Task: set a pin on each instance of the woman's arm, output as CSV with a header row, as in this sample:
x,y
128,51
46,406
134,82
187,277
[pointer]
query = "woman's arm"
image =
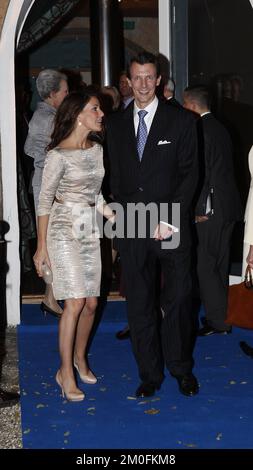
x,y
41,255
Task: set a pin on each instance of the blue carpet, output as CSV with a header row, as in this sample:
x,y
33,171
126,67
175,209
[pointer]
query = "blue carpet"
x,y
220,417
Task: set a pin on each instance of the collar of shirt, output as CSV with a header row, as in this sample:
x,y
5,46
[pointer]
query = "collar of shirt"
x,y
151,110
207,112
126,101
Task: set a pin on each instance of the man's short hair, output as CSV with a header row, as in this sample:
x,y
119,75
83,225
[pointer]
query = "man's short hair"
x,y
200,94
142,58
170,84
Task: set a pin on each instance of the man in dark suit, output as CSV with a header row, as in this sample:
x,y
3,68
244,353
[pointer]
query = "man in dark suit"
x,y
153,162
125,91
217,209
168,93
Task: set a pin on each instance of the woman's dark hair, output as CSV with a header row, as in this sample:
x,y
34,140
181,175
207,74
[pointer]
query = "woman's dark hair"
x,y
66,116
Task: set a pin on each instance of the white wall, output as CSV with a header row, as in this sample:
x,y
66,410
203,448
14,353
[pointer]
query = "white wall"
x,y
8,150
164,29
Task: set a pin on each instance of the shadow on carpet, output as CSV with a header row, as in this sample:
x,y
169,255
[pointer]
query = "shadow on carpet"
x,y
110,417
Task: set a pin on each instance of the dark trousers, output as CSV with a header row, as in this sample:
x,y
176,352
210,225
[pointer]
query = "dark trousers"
x,y
214,241
173,342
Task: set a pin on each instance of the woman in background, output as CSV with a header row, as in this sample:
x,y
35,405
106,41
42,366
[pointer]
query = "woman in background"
x,y
52,87
248,240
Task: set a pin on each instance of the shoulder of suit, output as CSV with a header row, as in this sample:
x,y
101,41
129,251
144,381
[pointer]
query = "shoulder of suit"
x,y
216,128
211,120
177,111
115,117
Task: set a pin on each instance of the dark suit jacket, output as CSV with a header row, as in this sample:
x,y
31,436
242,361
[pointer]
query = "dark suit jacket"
x,y
219,171
167,173
173,102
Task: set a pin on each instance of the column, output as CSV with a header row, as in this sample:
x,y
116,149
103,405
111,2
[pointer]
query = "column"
x,y
106,37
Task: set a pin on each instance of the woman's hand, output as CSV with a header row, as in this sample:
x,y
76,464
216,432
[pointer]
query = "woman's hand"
x,y
107,212
249,258
41,257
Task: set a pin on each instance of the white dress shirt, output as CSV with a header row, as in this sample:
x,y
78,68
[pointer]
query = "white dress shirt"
x,y
127,101
151,110
207,112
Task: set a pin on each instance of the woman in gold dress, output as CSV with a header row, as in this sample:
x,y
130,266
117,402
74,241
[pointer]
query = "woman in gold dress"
x,y
68,236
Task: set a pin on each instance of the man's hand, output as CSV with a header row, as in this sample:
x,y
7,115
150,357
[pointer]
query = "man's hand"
x,y
162,232
201,218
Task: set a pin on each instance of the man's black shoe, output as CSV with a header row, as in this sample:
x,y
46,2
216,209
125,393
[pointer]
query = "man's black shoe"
x,y
208,330
248,350
123,334
188,384
146,390
8,398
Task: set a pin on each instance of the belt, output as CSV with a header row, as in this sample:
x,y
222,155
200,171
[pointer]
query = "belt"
x,y
72,203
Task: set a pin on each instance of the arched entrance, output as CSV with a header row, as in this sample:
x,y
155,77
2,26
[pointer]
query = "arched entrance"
x,y
15,13
11,13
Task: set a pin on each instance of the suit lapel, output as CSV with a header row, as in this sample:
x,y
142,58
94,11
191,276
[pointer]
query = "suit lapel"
x,y
129,131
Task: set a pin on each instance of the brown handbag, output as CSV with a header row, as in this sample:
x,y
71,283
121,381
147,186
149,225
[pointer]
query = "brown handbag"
x,y
240,303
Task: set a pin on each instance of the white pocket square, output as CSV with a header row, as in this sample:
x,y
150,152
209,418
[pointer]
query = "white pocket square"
x,y
164,142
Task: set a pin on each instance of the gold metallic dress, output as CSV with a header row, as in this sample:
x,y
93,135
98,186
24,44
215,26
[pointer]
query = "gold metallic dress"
x,y
70,193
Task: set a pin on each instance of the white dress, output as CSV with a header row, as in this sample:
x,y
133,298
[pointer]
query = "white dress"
x,y
248,217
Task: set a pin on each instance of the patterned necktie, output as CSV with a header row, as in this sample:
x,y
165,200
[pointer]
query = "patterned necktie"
x,y
142,133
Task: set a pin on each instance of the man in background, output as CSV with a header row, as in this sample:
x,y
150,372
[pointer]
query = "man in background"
x,y
168,93
125,90
218,208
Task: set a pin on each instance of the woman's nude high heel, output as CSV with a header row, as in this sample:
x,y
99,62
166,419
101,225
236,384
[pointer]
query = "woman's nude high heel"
x,y
72,396
45,309
89,378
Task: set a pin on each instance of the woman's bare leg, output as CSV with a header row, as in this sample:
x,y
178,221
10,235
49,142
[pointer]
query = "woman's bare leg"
x,y
67,331
84,327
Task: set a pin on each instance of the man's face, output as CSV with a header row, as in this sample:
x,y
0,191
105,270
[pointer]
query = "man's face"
x,y
143,81
124,88
167,93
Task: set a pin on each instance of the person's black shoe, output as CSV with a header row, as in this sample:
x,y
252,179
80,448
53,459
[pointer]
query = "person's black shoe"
x,y
208,330
248,350
123,334
146,390
188,384
203,320
8,398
